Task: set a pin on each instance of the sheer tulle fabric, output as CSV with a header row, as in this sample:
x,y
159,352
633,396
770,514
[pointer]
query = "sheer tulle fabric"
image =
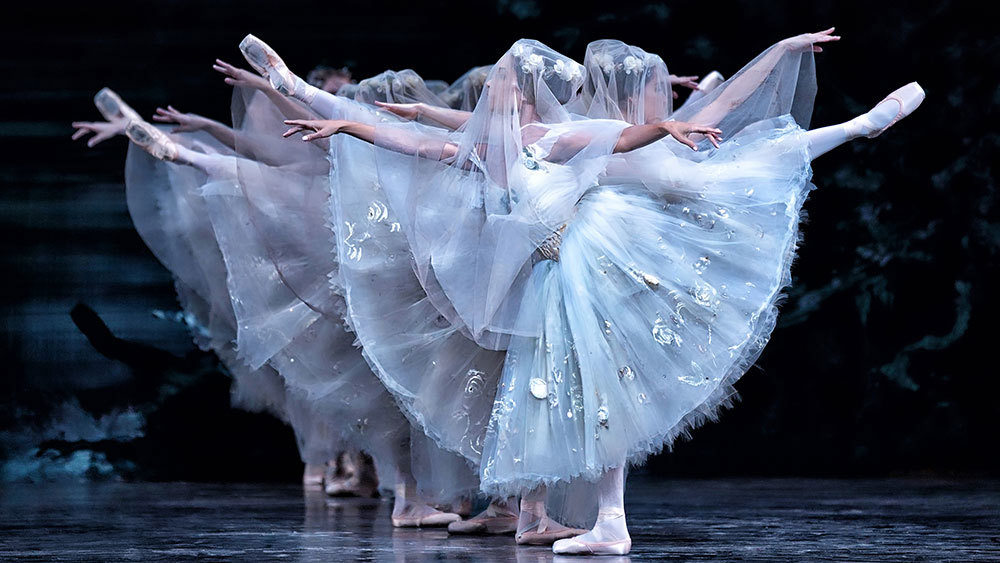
x,y
623,326
657,305
464,92
471,233
288,291
624,83
170,215
442,379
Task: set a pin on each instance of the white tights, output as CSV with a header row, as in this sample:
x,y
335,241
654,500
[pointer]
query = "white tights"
x,y
610,525
825,139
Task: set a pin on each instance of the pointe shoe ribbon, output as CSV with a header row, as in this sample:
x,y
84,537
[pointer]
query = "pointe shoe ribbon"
x,y
909,98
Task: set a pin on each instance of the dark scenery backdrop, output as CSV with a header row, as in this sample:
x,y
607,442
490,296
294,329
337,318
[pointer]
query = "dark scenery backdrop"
x,y
880,363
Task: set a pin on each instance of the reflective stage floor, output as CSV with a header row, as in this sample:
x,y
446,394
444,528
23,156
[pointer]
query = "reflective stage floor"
x,y
680,520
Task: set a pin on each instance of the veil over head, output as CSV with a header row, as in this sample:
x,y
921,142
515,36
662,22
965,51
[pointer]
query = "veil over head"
x,y
471,223
626,83
464,92
403,87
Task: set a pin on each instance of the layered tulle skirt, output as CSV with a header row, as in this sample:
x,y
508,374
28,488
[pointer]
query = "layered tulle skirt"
x,y
664,293
296,360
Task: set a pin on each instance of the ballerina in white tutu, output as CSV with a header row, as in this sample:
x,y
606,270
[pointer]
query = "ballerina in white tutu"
x,y
280,330
659,273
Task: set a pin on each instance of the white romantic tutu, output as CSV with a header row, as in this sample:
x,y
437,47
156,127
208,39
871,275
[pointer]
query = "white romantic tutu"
x,y
284,279
313,378
664,293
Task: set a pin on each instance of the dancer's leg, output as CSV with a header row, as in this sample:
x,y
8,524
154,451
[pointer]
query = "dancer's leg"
x,y
899,104
312,475
216,166
610,534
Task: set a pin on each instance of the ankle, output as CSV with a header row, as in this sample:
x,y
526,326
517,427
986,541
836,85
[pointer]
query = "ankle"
x,y
304,91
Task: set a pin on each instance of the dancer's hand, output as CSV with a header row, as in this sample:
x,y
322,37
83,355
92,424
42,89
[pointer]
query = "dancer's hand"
x,y
685,81
240,77
185,121
322,128
102,130
808,41
681,131
406,111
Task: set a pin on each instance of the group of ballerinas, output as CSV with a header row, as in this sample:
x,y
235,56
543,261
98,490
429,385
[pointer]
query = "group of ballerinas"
x,y
510,287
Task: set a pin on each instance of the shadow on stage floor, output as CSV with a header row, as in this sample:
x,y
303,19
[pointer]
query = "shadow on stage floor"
x,y
718,519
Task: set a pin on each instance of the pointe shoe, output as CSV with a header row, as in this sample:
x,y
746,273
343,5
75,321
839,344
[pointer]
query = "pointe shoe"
x,y
710,82
533,537
462,507
266,61
112,107
436,519
909,98
152,140
574,546
486,523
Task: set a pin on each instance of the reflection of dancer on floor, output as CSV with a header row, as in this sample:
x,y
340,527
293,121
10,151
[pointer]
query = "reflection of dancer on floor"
x,y
610,534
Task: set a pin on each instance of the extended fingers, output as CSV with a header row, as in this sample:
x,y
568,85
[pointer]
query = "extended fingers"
x,y
99,138
79,133
295,129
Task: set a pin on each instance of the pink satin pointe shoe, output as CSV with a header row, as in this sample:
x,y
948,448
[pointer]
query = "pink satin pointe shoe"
x,y
427,520
534,534
266,61
609,537
112,107
489,522
909,98
151,140
710,82
573,546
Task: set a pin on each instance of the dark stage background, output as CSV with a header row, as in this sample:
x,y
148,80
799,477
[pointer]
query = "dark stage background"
x,y
879,364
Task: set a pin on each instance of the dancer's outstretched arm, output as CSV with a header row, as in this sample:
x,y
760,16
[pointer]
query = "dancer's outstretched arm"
x,y
633,137
638,136
102,130
406,142
749,80
188,122
450,118
240,77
